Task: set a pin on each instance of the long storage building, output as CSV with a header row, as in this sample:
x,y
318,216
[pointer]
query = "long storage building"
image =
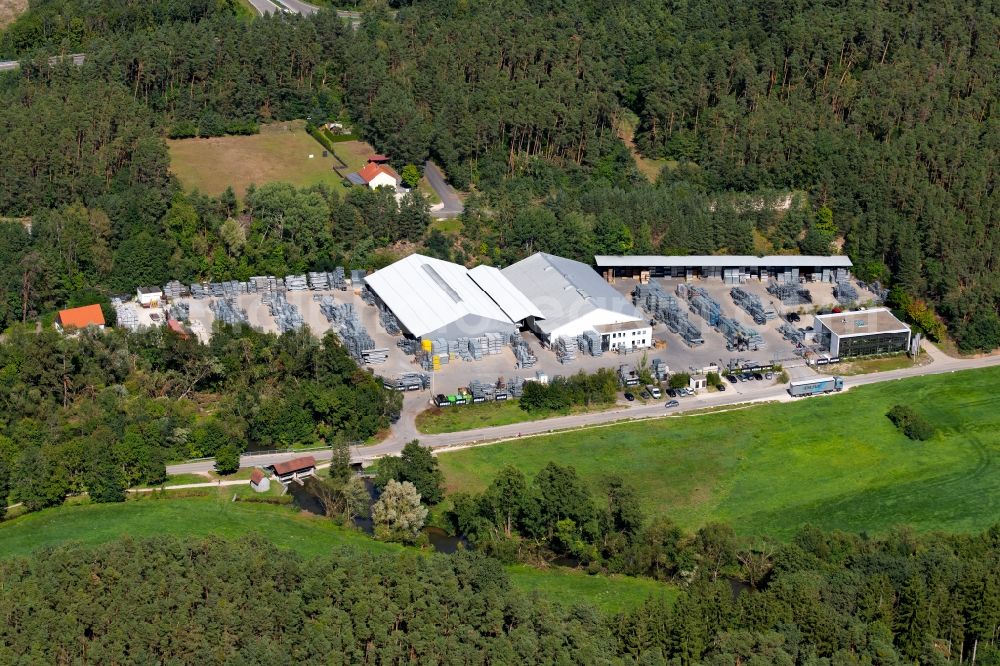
x,y
732,269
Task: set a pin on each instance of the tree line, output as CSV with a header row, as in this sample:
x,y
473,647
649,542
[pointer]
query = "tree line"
x,y
104,411
826,598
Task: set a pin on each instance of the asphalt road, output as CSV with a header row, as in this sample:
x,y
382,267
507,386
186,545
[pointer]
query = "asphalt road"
x,y
453,206
742,393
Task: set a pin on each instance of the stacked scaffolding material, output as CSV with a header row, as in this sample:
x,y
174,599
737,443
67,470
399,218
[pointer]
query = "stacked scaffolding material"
x,y
296,283
845,293
408,346
227,311
180,311
523,352
876,288
664,307
792,334
388,320
704,305
516,387
375,356
265,283
788,276
590,343
174,290
790,294
482,391
408,381
324,281
565,350
660,370
752,304
126,316
357,277
739,336
286,315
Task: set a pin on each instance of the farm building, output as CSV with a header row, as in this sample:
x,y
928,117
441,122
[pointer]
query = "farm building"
x,y
573,300
149,297
80,318
375,174
790,269
861,333
432,299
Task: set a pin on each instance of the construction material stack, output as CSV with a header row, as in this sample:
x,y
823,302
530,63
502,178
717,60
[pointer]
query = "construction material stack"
x,y
227,311
845,293
126,316
659,370
388,321
792,334
790,294
664,307
180,311
565,350
286,315
738,336
752,304
296,283
590,343
522,352
174,290
704,305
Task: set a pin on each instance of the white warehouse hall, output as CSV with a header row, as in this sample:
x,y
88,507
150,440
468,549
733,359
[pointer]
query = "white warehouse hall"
x,y
551,296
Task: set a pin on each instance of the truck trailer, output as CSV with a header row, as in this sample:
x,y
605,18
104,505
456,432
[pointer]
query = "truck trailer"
x,y
815,386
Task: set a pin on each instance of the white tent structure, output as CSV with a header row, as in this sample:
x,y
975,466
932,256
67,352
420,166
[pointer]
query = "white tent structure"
x,y
432,298
572,299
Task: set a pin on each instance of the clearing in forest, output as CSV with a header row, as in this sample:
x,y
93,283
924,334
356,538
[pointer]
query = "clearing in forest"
x,y
835,461
280,153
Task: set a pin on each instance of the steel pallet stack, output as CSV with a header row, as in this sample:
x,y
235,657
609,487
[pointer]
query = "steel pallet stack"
x,y
227,311
845,293
704,305
286,315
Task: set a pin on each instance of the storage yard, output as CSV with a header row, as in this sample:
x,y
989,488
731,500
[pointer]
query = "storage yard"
x,y
423,323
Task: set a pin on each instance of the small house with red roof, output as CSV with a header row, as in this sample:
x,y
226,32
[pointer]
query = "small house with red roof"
x,y
377,173
80,318
259,481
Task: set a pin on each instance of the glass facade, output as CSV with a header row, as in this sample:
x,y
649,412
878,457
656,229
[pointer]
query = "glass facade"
x,y
876,343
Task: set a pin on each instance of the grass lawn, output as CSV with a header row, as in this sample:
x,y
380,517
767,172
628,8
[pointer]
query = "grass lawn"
x,y
209,515
869,365
279,153
451,225
468,417
834,461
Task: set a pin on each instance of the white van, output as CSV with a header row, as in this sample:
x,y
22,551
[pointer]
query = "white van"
x,y
654,391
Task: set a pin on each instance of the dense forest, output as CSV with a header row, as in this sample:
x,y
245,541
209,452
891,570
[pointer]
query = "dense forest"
x,y
877,120
825,599
77,413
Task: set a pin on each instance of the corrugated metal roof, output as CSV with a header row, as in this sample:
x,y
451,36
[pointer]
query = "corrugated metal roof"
x,y
724,261
356,179
565,290
510,299
428,294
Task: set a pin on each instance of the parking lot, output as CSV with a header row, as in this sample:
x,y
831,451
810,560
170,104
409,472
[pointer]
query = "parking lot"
x,y
670,347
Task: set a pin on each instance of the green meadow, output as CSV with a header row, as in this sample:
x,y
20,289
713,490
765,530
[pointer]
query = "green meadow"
x,y
833,461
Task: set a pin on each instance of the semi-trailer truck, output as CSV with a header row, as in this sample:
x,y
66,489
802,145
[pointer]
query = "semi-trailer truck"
x,y
815,386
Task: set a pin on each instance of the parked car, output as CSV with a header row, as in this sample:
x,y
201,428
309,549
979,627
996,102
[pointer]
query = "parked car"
x,y
720,387
768,375
644,395
671,403
759,377
688,391
629,397
731,379
672,393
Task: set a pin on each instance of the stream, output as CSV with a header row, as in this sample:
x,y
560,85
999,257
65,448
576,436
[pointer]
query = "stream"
x,y
439,540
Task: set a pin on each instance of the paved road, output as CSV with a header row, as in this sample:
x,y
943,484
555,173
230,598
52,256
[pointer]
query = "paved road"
x,y
453,206
749,392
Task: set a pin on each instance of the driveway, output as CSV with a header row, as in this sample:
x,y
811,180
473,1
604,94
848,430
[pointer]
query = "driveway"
x,y
451,205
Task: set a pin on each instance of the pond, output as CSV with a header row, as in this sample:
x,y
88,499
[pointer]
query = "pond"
x,y
306,499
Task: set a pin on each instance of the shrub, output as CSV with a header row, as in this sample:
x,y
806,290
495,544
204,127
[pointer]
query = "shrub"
x,y
910,423
680,380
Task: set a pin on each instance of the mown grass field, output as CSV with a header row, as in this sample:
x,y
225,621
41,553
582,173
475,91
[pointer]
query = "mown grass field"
x,y
468,417
835,461
280,153
209,515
